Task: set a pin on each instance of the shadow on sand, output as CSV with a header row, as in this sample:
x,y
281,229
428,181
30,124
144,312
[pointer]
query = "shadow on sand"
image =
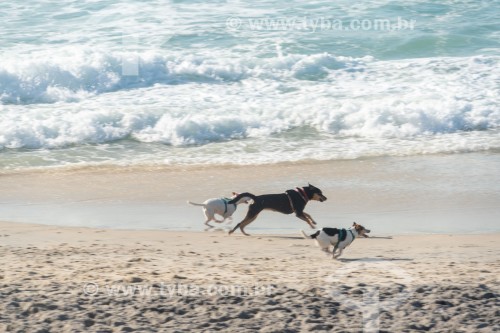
x,y
285,237
374,259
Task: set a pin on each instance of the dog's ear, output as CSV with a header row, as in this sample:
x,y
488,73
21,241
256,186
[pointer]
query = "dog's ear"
x,y
354,224
234,193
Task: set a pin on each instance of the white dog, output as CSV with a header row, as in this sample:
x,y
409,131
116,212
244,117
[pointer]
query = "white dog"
x,y
339,238
219,206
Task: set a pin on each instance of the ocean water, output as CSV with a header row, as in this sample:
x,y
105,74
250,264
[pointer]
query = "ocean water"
x,y
86,83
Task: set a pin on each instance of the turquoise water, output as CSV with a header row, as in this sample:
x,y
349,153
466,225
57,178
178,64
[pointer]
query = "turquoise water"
x,y
184,82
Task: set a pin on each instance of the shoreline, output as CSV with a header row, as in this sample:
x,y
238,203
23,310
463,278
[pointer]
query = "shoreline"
x,y
407,195
162,167
223,231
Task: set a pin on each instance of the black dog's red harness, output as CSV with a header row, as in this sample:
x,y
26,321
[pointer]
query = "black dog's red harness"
x,y
301,193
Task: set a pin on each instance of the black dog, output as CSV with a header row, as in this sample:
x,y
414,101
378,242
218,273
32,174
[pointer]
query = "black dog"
x,y
292,201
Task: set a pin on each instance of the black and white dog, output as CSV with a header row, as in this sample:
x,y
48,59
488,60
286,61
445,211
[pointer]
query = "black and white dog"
x,y
292,201
339,238
219,206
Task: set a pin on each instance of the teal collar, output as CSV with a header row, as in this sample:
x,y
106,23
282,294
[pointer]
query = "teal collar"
x,y
226,200
352,234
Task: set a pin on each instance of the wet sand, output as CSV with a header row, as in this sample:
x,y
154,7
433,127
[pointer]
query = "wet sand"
x,y
397,195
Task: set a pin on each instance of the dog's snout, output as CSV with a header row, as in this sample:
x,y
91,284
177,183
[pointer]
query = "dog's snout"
x,y
323,198
367,231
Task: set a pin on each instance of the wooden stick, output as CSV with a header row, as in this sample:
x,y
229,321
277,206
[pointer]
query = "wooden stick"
x,y
381,237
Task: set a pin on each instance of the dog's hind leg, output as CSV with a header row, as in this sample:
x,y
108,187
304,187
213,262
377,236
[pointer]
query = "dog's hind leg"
x,y
338,255
209,215
249,218
232,230
245,223
242,225
219,221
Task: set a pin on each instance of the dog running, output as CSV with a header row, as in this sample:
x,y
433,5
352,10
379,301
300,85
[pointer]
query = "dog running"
x,y
339,238
292,201
221,207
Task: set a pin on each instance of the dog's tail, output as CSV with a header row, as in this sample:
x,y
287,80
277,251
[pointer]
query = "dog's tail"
x,y
195,204
241,196
313,236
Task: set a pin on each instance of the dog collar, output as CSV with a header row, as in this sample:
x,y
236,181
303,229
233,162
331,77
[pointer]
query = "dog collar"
x,y
302,193
225,201
352,234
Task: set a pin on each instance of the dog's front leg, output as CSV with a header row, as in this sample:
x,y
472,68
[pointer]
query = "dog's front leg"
x,y
309,218
335,248
303,217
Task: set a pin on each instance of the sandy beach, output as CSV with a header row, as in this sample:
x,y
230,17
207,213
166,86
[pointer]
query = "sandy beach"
x,y
119,118
120,250
61,279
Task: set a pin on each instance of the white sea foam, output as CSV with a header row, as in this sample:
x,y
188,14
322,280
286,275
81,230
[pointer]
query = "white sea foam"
x,y
71,75
347,98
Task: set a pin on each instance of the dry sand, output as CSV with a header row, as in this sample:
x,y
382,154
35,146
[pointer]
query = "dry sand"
x,y
58,279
